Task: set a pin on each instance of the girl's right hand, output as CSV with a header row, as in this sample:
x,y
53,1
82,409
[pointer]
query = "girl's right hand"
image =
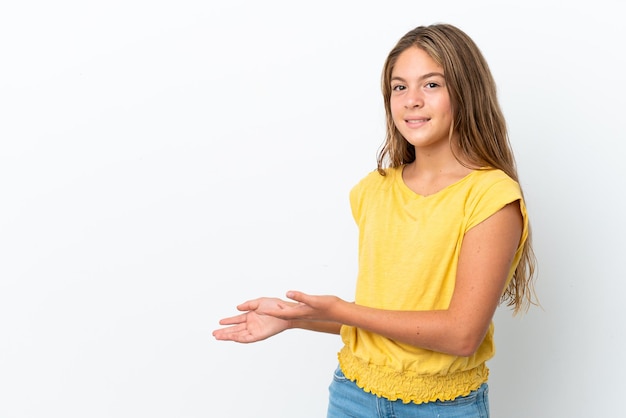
x,y
254,324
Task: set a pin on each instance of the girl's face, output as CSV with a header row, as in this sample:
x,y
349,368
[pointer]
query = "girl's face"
x,y
420,103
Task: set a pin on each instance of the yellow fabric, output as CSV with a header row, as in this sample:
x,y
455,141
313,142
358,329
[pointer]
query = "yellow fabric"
x,y
408,252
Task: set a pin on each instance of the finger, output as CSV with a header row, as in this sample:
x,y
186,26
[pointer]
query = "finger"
x,y
237,319
230,333
242,336
297,296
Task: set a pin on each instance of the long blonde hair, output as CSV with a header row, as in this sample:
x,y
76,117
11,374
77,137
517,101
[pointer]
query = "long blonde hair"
x,y
479,123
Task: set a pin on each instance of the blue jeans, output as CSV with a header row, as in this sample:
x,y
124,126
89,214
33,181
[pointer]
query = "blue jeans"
x,y
347,400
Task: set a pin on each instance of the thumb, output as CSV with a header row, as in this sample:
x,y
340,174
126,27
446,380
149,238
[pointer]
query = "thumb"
x,y
249,305
297,296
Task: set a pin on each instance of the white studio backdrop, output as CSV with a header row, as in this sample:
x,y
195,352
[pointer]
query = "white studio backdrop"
x,y
161,162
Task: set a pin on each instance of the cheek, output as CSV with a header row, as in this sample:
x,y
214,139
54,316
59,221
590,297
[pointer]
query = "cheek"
x,y
396,110
445,106
444,109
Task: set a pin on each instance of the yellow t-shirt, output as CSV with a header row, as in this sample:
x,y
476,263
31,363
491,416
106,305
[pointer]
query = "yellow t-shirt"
x,y
408,253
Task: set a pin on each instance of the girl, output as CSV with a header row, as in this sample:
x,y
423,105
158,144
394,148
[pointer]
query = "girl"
x,y
444,238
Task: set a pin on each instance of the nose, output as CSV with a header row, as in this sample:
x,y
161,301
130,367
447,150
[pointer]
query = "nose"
x,y
413,99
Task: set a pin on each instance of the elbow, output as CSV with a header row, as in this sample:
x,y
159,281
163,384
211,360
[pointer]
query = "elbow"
x,y
466,344
466,350
465,336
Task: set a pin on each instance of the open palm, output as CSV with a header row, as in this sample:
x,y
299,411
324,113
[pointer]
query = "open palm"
x,y
254,324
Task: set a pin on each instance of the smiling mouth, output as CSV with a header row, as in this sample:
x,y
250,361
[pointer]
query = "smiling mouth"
x,y
416,120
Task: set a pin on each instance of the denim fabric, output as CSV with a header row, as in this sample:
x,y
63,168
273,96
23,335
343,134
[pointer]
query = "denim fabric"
x,y
347,400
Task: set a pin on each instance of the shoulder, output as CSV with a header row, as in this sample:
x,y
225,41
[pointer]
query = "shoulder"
x,y
487,192
374,179
493,181
371,189
491,175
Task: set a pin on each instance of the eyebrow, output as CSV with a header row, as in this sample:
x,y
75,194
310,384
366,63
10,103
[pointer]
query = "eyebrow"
x,y
423,77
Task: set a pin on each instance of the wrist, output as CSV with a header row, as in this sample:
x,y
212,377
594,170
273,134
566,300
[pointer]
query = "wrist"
x,y
293,323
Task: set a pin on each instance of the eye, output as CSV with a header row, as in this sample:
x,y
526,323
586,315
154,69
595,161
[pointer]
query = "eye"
x,y
398,87
432,85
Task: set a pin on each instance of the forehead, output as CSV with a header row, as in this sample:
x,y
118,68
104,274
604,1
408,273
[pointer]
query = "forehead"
x,y
415,61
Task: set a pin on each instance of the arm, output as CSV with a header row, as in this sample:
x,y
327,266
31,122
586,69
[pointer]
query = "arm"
x,y
484,262
327,327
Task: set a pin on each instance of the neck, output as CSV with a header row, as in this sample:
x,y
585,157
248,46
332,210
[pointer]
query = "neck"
x,y
431,172
432,162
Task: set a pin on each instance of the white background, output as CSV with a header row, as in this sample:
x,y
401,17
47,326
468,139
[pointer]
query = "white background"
x,y
162,161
